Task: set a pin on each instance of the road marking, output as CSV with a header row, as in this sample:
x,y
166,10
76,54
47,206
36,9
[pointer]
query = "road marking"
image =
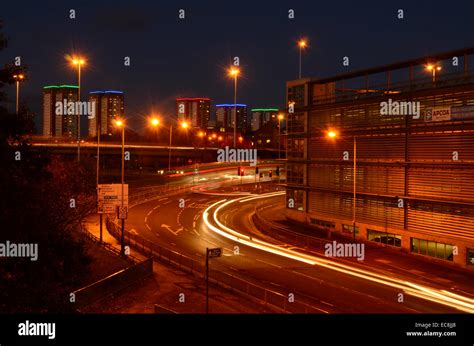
x,y
149,228
271,264
312,278
133,231
149,213
168,227
322,301
173,244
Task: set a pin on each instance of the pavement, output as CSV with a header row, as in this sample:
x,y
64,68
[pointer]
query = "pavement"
x,y
166,288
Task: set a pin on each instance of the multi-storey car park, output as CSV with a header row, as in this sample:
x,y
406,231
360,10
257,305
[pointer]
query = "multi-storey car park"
x,y
414,171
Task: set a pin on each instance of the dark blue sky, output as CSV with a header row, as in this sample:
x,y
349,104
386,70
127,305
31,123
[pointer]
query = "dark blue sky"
x,y
171,57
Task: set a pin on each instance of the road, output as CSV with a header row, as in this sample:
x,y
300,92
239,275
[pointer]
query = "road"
x,y
327,285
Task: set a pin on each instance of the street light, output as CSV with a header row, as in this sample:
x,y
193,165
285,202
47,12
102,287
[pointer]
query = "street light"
x,y
234,72
18,78
302,44
280,118
78,62
332,135
433,68
119,123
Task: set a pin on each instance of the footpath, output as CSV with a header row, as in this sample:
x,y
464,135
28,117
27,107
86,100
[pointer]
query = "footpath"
x,y
170,288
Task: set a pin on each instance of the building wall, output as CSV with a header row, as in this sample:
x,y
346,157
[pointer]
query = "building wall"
x,y
408,185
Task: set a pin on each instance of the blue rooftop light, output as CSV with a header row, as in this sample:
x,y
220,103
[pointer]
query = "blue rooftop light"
x,y
231,105
106,92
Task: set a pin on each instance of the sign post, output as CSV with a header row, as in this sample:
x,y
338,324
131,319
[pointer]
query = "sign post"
x,y
110,201
210,253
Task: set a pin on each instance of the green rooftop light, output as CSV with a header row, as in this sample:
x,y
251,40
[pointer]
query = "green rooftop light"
x,y
264,109
61,86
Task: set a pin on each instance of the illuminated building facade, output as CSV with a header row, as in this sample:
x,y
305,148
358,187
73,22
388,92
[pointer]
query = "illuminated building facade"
x,y
399,139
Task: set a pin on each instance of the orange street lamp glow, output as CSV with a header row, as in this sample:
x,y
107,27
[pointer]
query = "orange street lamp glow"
x,y
214,135
209,138
234,71
184,125
119,123
302,43
331,134
220,138
78,61
154,122
240,139
280,116
201,134
433,68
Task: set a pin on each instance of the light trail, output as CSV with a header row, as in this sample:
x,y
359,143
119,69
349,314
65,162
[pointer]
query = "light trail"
x,y
432,294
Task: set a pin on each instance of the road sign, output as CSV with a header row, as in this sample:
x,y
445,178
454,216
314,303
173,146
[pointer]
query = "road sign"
x,y
109,197
122,212
216,252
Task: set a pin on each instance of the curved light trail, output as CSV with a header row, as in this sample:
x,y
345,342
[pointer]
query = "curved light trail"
x,y
432,294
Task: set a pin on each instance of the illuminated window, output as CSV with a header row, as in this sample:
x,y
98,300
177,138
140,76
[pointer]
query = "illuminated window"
x,y
323,223
349,229
384,238
432,249
470,257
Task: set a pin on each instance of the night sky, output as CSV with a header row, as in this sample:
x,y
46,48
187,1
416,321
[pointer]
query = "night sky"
x,y
189,58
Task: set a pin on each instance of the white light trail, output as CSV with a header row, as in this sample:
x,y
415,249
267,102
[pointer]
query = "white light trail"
x,y
432,294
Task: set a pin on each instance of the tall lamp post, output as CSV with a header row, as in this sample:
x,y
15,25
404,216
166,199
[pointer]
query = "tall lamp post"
x,y
98,124
280,118
333,134
18,77
121,124
234,72
78,62
155,122
302,44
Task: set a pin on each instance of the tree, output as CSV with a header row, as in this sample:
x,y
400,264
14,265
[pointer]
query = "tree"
x,y
36,208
